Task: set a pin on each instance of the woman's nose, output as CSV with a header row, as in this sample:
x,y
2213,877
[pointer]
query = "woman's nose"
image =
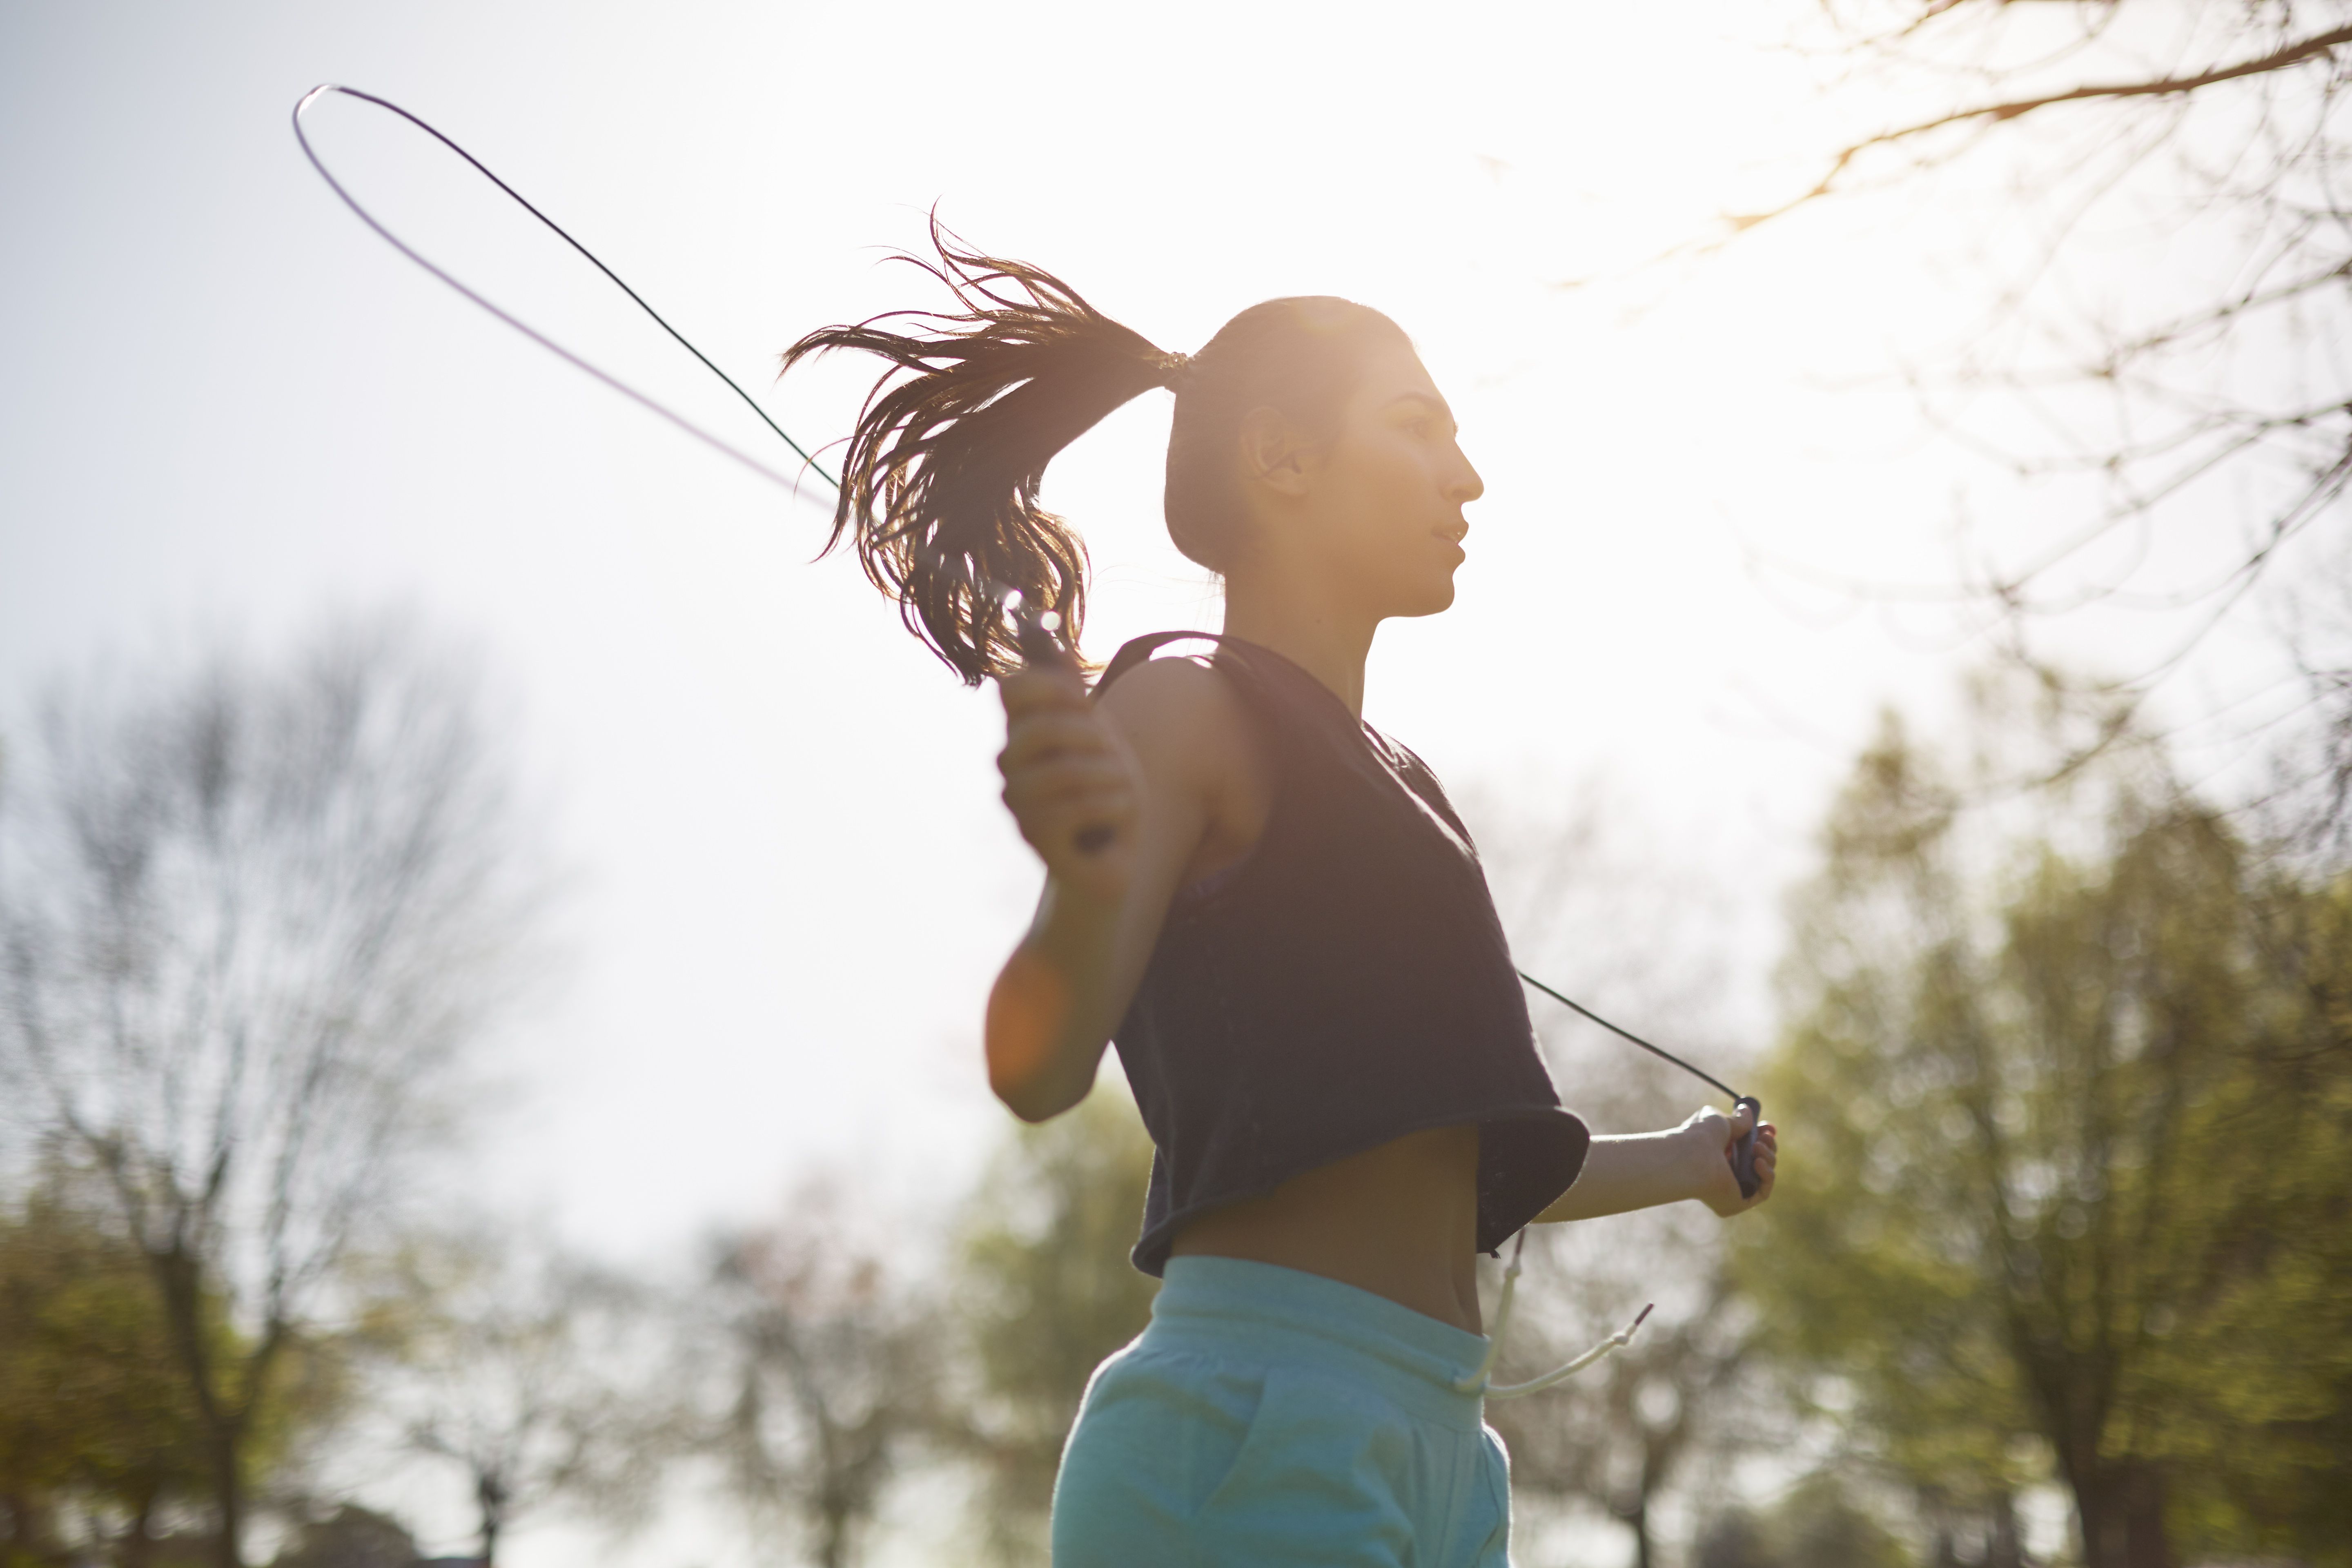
x,y
1465,486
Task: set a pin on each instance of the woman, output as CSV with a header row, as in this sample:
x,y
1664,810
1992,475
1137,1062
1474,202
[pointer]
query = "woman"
x,y
1268,908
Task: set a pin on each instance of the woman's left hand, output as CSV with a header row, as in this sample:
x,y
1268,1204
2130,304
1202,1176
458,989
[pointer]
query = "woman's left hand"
x,y
1715,1142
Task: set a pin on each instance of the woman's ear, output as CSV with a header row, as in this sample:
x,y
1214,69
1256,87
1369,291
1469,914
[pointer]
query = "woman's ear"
x,y
1273,453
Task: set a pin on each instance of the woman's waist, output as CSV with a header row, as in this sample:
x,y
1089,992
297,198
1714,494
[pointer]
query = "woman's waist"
x,y
1398,1221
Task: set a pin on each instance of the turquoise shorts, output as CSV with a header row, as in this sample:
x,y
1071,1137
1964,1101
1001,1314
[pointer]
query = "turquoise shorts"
x,y
1271,1416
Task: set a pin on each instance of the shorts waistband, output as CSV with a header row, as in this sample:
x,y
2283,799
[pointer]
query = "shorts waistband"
x,y
1262,1311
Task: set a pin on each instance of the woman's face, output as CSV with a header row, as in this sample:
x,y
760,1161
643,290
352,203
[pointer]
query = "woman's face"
x,y
1386,495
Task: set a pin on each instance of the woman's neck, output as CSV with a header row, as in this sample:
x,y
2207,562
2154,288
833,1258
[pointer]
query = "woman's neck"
x,y
1306,626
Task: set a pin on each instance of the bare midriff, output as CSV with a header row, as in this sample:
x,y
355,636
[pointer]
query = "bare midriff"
x,y
1400,1221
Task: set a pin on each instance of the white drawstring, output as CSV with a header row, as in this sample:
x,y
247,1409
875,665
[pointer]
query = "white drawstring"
x,y
1477,1382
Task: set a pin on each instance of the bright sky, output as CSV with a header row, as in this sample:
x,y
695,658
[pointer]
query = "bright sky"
x,y
231,408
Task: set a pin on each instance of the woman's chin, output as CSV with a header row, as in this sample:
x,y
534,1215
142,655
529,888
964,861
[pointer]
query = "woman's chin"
x,y
1428,599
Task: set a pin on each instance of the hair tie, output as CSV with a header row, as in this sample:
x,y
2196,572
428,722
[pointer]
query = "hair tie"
x,y
1174,371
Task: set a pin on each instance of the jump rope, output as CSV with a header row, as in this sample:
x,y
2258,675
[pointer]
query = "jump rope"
x,y
1035,632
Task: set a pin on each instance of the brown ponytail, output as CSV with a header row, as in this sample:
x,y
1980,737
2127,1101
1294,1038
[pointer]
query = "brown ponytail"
x,y
941,480
939,483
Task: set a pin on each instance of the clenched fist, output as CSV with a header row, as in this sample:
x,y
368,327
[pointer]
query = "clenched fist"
x,y
1069,780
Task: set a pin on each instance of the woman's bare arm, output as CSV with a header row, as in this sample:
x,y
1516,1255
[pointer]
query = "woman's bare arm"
x,y
1152,761
1642,1170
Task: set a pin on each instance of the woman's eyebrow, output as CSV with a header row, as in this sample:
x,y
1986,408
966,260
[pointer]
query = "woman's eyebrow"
x,y
1436,404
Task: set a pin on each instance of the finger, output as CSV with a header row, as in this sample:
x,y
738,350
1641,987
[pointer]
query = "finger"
x,y
1033,797
1056,768
1046,817
1052,823
1042,736
1033,689
1115,793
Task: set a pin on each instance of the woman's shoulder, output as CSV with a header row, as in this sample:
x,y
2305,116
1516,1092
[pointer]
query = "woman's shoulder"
x,y
1185,714
1183,696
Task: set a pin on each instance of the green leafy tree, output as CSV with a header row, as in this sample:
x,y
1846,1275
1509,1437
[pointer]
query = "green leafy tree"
x,y
1818,1524
2069,1082
91,1412
1045,1292
97,1425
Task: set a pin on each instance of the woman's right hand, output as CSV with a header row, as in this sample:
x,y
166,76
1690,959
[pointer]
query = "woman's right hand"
x,y
1117,796
1070,782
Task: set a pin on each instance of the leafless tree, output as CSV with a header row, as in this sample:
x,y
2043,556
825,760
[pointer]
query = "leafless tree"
x,y
1623,1436
1627,929
829,1375
2166,253
540,1376
251,917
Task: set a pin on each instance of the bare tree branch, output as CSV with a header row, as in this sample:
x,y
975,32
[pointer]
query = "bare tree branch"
x,y
251,920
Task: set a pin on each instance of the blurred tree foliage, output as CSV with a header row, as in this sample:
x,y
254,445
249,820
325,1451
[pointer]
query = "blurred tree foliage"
x,y
101,1449
351,1537
1649,1435
828,1373
1817,1525
538,1377
91,1413
1620,1435
2069,1082
1044,1292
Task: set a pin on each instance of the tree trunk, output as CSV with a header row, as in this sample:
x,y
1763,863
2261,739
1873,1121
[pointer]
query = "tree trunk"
x,y
491,1496
179,1275
228,1497
2121,1509
2008,1550
139,1541
28,1531
1637,1520
832,1539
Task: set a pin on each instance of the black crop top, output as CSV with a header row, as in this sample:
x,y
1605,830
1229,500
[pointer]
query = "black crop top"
x,y
1346,984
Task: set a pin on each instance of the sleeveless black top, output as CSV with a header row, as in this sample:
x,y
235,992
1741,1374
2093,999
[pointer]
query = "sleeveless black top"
x,y
1346,984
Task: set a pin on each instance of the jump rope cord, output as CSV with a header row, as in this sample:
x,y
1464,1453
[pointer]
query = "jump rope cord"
x,y
1477,1382
1628,1034
997,593
525,328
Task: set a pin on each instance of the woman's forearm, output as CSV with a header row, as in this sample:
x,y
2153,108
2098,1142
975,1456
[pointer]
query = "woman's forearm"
x,y
1048,1016
1642,1170
1633,1171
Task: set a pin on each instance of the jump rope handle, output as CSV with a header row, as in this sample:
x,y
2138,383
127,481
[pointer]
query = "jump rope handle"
x,y
1743,1154
1039,647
